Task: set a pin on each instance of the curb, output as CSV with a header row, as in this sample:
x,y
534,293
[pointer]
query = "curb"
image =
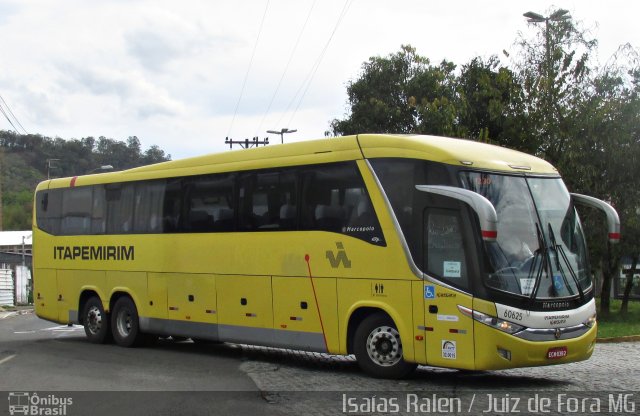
x,y
628,338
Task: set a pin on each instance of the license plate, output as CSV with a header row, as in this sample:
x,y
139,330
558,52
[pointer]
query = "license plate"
x,y
557,352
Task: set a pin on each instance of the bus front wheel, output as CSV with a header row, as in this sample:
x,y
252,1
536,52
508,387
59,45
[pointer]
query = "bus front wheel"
x,y
96,321
125,324
378,348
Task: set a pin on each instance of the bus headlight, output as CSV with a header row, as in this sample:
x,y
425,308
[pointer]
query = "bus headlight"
x,y
591,321
492,321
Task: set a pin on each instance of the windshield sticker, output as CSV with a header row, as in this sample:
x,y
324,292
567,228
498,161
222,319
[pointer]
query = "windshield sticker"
x,y
449,349
452,269
526,285
558,284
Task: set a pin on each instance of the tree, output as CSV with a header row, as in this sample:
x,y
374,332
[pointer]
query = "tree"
x,y
405,93
604,155
487,91
402,93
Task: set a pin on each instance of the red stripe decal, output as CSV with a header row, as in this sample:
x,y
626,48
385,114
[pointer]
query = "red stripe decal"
x,y
614,236
324,336
73,181
489,234
429,328
453,331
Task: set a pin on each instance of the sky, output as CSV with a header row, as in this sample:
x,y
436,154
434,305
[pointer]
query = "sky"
x,y
184,75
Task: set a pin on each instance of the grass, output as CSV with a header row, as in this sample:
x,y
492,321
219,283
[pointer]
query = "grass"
x,y
616,325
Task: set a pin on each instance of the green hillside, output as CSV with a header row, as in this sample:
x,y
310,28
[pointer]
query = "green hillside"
x,y
26,160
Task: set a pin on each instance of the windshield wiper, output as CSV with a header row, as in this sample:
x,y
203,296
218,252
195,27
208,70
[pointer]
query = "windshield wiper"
x,y
559,249
542,249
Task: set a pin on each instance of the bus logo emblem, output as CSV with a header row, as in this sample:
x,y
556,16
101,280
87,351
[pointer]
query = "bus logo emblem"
x,y
341,258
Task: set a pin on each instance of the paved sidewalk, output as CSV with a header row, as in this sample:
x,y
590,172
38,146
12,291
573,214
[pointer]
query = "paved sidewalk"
x,y
7,311
317,383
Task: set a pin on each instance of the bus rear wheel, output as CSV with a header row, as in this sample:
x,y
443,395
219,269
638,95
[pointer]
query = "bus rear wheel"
x,y
125,323
96,321
378,348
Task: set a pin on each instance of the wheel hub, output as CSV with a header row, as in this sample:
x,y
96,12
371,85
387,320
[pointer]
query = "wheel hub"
x,y
384,347
94,319
124,323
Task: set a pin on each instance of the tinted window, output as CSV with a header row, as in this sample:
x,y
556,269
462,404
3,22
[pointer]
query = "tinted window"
x,y
268,201
148,205
444,244
99,211
399,178
49,210
172,206
120,198
77,206
209,203
336,199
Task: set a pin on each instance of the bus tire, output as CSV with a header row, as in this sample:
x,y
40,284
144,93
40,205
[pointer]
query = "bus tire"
x,y
96,321
125,324
378,348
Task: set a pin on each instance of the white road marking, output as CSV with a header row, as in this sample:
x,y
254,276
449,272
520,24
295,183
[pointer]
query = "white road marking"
x,y
5,359
60,328
63,328
8,315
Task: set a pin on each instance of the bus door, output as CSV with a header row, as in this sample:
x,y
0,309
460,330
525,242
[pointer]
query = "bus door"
x,y
447,240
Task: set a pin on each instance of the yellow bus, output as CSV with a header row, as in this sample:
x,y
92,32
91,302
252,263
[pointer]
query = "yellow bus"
x,y
402,250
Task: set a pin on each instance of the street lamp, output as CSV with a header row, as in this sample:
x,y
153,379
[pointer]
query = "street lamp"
x,y
282,132
101,169
558,15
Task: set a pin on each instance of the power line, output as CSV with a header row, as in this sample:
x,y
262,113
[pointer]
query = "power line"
x,y
312,72
286,68
12,115
8,119
246,76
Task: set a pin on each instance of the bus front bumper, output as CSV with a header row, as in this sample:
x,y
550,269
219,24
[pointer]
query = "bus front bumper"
x,y
499,350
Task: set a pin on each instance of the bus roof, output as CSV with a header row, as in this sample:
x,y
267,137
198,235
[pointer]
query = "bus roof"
x,y
438,149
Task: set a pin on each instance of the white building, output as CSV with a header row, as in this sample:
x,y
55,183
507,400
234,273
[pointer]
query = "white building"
x,y
15,266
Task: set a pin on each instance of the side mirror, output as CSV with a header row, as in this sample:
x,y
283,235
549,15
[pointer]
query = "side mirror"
x,y
613,221
481,205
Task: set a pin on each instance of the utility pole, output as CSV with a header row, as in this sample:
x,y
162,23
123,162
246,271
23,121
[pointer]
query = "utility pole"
x,y
282,132
247,143
51,166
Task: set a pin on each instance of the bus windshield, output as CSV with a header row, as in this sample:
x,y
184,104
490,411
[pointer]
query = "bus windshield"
x,y
540,250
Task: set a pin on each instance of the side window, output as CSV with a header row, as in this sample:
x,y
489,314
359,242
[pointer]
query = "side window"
x,y
335,199
149,201
209,203
119,199
99,211
268,201
172,206
445,252
77,204
49,210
